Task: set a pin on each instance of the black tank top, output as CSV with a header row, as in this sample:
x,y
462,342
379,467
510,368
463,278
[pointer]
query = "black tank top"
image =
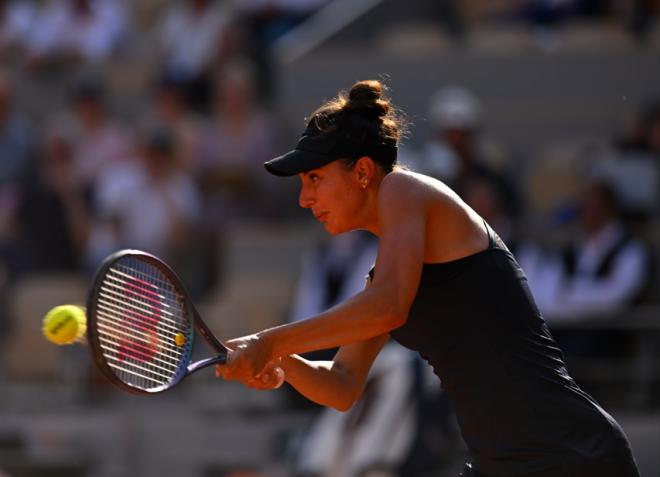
x,y
520,413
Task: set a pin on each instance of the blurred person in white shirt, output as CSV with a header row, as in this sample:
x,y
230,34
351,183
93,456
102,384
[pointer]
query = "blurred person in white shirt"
x,y
148,203
87,30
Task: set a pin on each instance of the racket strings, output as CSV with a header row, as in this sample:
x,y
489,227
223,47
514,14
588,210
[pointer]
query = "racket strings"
x,y
139,315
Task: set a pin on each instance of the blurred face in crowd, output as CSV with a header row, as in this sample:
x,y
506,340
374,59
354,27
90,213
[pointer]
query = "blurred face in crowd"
x,y
233,97
597,208
58,165
158,163
334,195
654,135
5,97
198,5
82,7
483,197
170,103
459,140
89,110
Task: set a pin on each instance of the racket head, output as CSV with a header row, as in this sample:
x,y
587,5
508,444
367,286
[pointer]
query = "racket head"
x,y
140,323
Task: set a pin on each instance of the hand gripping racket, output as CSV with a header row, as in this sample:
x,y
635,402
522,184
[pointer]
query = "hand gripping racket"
x,y
141,325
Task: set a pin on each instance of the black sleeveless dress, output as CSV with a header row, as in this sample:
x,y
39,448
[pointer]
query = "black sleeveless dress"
x,y
520,413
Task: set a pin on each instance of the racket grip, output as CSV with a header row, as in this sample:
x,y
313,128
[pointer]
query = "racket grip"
x,y
219,359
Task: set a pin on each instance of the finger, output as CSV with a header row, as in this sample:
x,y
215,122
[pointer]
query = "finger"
x,y
219,371
271,379
279,377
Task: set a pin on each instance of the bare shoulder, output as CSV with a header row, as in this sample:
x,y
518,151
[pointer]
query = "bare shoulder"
x,y
402,185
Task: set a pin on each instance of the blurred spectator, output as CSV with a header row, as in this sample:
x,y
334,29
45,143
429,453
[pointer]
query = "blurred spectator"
x,y
265,21
640,15
549,13
238,140
77,30
632,166
170,108
52,217
484,198
193,37
457,153
603,272
98,140
448,13
332,272
376,434
16,20
16,151
270,19
147,203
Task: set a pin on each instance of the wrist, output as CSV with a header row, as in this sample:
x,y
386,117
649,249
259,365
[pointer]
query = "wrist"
x,y
267,344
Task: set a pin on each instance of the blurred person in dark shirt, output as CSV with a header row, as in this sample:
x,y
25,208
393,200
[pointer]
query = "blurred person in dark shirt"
x,y
16,134
194,37
604,271
238,139
17,154
631,165
457,151
52,216
98,140
170,108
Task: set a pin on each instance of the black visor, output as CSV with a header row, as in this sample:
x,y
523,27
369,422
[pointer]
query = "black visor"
x,y
316,148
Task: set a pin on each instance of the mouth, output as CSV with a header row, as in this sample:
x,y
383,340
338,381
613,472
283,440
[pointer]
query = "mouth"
x,y
321,216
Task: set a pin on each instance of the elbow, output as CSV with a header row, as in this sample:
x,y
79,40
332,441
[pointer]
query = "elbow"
x,y
394,313
398,320
351,390
344,406
346,402
395,319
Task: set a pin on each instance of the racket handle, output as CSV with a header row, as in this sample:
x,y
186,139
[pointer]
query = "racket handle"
x,y
219,359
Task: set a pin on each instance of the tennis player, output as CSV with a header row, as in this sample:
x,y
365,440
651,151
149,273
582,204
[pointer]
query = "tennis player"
x,y
445,285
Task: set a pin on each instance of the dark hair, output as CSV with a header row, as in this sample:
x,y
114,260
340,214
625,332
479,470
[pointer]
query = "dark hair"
x,y
366,113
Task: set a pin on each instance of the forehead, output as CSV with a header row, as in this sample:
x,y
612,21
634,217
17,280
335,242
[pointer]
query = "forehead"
x,y
334,167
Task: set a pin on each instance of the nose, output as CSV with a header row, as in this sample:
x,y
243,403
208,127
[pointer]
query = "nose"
x,y
305,198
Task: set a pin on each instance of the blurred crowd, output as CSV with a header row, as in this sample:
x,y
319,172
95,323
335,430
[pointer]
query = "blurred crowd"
x,y
81,177
79,181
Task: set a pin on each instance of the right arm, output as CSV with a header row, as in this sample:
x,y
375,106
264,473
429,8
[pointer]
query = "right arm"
x,y
338,383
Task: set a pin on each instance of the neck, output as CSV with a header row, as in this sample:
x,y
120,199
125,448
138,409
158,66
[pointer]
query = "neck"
x,y
369,211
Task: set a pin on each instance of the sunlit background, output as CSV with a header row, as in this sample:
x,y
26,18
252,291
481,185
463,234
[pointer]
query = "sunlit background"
x,y
145,124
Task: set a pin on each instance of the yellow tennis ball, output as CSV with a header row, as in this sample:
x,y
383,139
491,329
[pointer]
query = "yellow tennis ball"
x,y
64,324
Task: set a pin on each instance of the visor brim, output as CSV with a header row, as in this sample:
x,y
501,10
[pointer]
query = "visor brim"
x,y
297,161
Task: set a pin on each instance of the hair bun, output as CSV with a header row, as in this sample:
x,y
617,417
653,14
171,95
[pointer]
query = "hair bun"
x,y
366,97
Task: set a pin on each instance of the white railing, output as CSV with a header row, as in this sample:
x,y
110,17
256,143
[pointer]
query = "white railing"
x,y
319,27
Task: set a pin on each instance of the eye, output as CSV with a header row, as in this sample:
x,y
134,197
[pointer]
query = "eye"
x,y
314,178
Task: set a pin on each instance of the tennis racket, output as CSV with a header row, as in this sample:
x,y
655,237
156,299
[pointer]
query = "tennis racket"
x,y
141,325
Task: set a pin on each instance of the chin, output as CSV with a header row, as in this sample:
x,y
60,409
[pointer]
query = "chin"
x,y
336,230
331,230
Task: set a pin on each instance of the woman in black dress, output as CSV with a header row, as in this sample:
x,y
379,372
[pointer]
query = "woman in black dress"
x,y
444,285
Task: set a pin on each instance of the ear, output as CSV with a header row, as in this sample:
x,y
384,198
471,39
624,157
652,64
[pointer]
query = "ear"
x,y
364,170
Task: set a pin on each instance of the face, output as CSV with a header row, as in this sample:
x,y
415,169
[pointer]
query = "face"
x,y
334,195
595,211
